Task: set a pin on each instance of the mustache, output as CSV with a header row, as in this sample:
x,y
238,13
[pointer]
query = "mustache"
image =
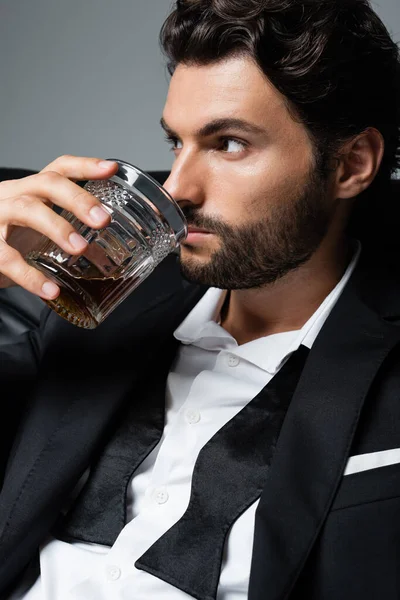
x,y
195,219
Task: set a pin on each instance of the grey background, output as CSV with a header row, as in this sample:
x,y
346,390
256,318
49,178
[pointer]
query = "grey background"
x,y
87,77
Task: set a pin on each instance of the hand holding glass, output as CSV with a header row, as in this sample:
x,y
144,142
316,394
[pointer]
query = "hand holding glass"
x,y
146,226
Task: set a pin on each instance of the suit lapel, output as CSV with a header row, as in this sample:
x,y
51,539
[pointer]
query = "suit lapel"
x,y
316,437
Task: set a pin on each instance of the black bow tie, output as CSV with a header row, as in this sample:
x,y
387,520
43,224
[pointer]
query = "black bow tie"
x,y
229,475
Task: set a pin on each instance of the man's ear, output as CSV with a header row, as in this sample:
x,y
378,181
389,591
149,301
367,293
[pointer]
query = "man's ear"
x,y
358,163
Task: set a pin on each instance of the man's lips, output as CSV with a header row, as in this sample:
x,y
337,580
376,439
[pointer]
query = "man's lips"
x,y
196,234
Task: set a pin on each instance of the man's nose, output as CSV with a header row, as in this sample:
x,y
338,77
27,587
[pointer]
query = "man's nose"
x,y
185,183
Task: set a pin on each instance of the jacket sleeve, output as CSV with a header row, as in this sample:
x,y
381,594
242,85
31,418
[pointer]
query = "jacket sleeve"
x,y
22,317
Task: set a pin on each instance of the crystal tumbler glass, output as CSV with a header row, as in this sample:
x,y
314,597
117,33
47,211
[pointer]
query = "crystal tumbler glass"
x,y
146,226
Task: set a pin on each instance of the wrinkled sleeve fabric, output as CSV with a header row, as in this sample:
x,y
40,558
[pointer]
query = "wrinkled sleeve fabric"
x,y
20,352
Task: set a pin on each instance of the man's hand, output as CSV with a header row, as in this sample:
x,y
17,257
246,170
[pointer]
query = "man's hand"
x,y
26,213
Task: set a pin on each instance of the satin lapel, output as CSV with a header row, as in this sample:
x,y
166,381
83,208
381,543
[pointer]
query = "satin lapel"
x,y
315,440
85,378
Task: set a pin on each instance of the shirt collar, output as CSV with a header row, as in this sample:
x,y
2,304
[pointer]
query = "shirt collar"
x,y
197,323
201,329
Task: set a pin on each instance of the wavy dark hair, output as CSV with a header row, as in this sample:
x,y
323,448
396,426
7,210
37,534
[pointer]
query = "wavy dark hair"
x,y
333,60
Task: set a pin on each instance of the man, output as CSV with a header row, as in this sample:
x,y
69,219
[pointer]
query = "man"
x,y
275,471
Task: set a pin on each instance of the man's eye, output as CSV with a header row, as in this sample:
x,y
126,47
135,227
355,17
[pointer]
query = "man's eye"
x,y
232,146
226,145
172,142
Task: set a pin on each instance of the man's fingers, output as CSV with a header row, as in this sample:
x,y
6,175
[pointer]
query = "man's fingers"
x,y
52,187
32,212
24,207
80,168
13,266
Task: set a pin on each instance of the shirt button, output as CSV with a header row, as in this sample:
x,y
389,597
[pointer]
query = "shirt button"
x,y
192,416
113,573
161,495
233,361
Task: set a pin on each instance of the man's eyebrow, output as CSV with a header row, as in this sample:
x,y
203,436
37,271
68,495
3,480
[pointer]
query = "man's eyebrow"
x,y
218,125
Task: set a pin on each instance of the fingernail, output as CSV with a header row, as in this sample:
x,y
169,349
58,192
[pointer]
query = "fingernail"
x,y
106,164
50,289
98,215
77,241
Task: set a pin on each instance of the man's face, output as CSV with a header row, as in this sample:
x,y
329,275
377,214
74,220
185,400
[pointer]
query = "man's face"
x,y
253,185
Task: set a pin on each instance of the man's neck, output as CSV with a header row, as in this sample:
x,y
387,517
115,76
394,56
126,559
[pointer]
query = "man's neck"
x,y
288,303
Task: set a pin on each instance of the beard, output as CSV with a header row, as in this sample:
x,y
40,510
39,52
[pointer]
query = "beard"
x,y
259,253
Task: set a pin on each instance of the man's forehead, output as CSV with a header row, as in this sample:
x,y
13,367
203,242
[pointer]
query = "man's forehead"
x,y
232,87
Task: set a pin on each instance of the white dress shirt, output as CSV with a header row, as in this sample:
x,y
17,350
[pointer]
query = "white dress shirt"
x,y
210,381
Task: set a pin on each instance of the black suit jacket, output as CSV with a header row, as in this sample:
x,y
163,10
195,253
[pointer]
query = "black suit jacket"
x,y
318,534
